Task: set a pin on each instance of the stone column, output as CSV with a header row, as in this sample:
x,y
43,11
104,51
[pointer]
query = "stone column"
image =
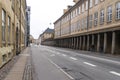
x,y
80,42
93,39
105,42
83,42
113,42
88,42
98,43
74,42
77,43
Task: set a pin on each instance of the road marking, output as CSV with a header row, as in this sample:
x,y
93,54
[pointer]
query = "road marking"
x,y
89,64
115,73
64,55
61,69
73,58
52,55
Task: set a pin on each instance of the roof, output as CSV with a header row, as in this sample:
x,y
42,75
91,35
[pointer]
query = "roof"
x,y
48,30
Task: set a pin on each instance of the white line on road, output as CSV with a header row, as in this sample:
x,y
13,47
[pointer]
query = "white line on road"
x,y
115,73
89,64
73,58
64,55
61,69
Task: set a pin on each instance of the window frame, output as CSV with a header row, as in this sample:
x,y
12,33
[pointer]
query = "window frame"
x,y
117,11
102,16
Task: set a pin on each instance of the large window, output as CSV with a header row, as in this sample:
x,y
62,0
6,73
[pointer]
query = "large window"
x,y
118,10
82,27
109,14
8,29
3,24
101,16
91,2
87,5
96,2
90,21
95,18
83,7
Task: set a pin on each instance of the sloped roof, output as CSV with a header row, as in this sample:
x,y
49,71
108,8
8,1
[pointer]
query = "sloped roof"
x,y
48,30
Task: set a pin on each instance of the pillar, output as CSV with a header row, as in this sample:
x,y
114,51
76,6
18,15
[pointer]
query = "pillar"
x,y
74,42
98,43
88,42
77,43
80,42
113,42
93,38
83,42
105,42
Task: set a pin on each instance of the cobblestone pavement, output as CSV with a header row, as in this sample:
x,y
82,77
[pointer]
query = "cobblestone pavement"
x,y
11,65
6,68
28,72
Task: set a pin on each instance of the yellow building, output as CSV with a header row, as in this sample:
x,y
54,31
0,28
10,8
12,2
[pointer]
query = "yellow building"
x,y
13,22
46,38
90,25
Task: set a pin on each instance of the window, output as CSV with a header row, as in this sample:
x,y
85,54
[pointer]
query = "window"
x,y
96,2
101,16
8,29
87,5
82,27
79,25
91,3
4,58
90,21
95,19
118,10
3,24
12,32
83,7
79,10
109,14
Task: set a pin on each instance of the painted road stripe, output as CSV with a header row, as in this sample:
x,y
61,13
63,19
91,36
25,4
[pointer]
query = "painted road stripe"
x,y
73,58
115,73
90,64
61,69
64,55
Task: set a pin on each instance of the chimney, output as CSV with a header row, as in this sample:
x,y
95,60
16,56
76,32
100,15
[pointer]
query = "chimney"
x,y
69,6
65,10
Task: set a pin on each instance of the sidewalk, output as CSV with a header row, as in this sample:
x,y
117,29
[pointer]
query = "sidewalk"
x,y
18,69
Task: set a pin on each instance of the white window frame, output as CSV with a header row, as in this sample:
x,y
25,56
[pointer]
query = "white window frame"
x,y
102,16
87,5
109,14
91,3
118,10
95,18
90,21
96,2
3,24
83,7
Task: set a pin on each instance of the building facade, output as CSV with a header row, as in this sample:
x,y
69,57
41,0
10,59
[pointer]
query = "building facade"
x,y
47,37
12,29
90,25
27,29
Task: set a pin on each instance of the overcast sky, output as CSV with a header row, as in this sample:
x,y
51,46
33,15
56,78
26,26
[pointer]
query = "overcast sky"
x,y
44,12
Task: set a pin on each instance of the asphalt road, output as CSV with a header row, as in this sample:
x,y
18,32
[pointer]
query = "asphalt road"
x,y
73,65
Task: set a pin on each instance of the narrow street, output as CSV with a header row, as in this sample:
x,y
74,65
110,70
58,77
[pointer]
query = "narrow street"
x,y
52,63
